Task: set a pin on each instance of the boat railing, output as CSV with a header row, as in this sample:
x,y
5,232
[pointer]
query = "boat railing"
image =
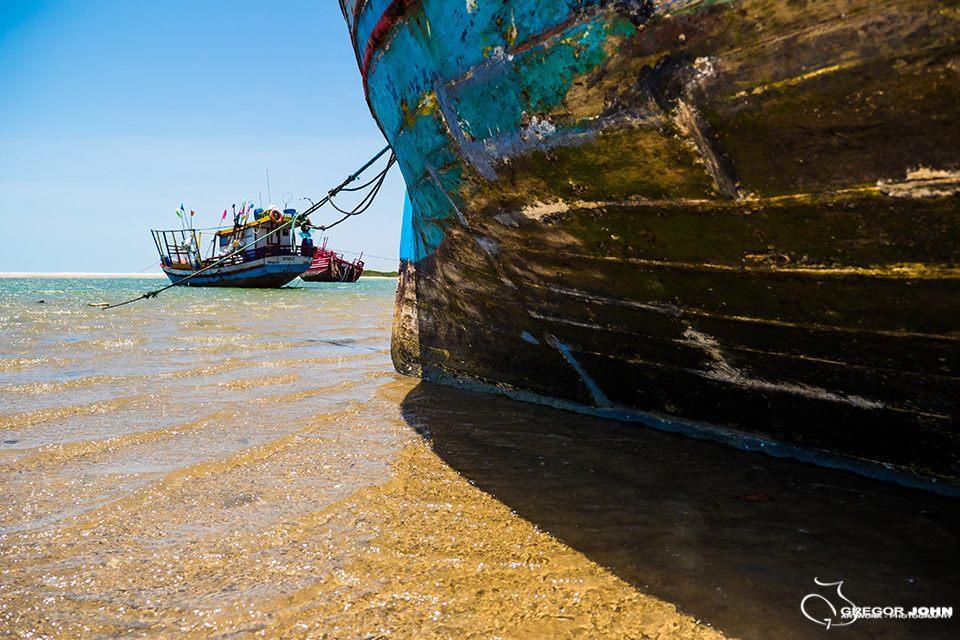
x,y
268,251
179,249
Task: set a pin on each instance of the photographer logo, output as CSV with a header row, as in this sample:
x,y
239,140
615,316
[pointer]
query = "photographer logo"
x,y
828,607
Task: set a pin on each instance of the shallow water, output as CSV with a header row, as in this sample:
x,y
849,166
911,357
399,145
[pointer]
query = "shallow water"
x,y
216,462
219,462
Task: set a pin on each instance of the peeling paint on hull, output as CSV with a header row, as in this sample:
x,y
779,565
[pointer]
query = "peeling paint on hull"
x,y
737,213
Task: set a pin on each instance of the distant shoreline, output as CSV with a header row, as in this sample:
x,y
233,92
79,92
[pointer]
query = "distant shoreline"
x,y
64,274
29,274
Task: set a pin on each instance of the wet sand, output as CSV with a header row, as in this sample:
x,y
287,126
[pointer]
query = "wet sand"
x,y
297,538
732,538
247,464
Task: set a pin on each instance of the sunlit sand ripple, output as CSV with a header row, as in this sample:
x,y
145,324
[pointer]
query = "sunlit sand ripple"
x,y
252,474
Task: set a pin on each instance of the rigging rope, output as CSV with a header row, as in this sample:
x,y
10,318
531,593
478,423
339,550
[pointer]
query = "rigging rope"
x,y
365,203
149,267
369,255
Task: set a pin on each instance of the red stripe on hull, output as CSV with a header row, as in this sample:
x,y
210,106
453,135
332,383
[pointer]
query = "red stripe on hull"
x,y
393,13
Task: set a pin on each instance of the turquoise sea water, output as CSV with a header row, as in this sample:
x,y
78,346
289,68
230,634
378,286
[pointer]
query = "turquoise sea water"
x,y
255,364
51,335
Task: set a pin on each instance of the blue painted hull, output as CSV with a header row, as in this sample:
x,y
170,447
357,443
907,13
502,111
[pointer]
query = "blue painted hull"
x,y
697,212
269,275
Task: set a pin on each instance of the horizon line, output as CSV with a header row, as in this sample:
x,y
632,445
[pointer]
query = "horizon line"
x,y
79,274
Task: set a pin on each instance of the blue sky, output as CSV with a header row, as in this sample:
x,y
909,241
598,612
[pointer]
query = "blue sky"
x,y
114,112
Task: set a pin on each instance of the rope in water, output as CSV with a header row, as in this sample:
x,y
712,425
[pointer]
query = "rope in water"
x,y
365,204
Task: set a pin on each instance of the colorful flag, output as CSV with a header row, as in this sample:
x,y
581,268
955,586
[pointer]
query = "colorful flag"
x,y
224,216
179,213
192,213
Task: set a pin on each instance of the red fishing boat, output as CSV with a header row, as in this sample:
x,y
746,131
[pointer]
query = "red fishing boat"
x,y
330,266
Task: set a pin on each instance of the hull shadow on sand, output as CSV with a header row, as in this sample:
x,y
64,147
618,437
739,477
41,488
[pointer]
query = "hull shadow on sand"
x,y
733,538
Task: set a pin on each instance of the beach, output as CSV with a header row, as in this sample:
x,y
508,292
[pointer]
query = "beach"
x,y
221,463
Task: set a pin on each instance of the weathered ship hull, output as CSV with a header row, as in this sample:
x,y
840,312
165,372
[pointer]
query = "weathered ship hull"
x,y
737,219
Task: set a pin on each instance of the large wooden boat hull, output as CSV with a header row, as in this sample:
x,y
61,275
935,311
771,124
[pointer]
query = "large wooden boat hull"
x,y
264,273
736,219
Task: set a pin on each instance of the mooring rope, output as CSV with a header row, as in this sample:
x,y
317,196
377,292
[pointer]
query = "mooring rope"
x,y
365,204
149,267
367,201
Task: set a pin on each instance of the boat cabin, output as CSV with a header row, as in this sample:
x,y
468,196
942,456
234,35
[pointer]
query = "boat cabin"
x,y
259,234
183,248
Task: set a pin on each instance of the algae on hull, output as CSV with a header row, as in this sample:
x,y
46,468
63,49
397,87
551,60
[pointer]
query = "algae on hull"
x,y
737,215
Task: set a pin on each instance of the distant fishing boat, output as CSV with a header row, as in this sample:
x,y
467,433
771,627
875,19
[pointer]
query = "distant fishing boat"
x,y
255,254
329,266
